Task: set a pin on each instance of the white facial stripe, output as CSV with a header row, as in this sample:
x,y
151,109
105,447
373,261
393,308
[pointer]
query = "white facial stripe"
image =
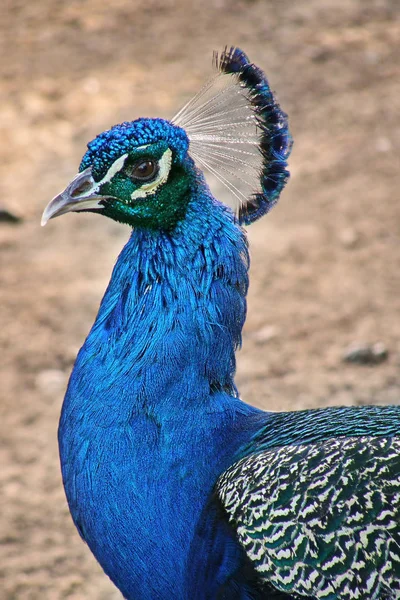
x,y
151,187
115,167
145,190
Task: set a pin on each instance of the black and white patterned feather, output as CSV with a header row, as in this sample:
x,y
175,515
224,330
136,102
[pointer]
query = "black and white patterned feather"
x,y
321,520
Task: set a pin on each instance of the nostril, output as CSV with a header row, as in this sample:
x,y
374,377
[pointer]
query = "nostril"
x,y
82,188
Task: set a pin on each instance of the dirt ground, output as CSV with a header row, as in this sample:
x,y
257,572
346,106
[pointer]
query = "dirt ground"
x,y
325,262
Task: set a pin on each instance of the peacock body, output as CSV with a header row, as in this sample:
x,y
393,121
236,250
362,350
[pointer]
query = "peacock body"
x,y
180,489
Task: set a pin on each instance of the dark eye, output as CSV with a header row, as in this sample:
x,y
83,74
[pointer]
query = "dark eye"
x,y
144,170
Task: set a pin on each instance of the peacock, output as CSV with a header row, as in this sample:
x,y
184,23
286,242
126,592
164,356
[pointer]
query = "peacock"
x,y
181,490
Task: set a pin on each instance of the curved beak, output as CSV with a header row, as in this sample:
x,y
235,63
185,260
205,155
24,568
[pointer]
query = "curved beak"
x,y
80,194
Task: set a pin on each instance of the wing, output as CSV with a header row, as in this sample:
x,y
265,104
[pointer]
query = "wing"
x,y
321,519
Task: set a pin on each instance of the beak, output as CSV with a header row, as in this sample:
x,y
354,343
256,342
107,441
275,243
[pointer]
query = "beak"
x,y
80,194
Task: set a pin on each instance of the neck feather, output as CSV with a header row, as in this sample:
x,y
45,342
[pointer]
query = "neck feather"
x,y
171,318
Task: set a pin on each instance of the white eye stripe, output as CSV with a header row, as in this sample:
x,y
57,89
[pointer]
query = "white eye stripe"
x,y
151,187
95,186
146,189
117,166
113,170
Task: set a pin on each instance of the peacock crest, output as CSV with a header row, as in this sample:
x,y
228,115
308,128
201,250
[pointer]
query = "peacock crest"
x,y
239,134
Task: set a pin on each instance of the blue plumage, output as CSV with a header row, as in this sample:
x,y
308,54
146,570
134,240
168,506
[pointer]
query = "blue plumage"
x,y
178,487
153,386
125,137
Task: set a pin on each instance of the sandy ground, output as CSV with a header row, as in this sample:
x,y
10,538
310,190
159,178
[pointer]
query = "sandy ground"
x,y
325,263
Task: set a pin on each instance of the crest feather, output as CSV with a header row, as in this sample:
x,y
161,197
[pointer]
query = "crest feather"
x,y
238,132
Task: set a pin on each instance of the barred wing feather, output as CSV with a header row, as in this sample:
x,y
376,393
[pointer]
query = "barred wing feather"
x,y
321,519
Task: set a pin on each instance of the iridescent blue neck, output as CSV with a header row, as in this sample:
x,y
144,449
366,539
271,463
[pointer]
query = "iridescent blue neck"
x,y
171,318
151,416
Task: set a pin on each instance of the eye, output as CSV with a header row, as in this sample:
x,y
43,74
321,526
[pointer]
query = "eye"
x,y
143,170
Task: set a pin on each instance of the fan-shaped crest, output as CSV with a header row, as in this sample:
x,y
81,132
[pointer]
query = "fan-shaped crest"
x,y
238,132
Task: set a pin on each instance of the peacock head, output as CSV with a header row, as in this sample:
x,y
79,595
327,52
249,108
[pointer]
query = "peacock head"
x,y
137,173
144,172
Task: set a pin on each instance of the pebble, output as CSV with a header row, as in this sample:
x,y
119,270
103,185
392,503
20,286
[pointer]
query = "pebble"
x,y
364,354
348,237
6,216
383,144
265,334
51,381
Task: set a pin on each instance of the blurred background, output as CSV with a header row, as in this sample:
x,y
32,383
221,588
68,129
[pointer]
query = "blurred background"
x,y
325,262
